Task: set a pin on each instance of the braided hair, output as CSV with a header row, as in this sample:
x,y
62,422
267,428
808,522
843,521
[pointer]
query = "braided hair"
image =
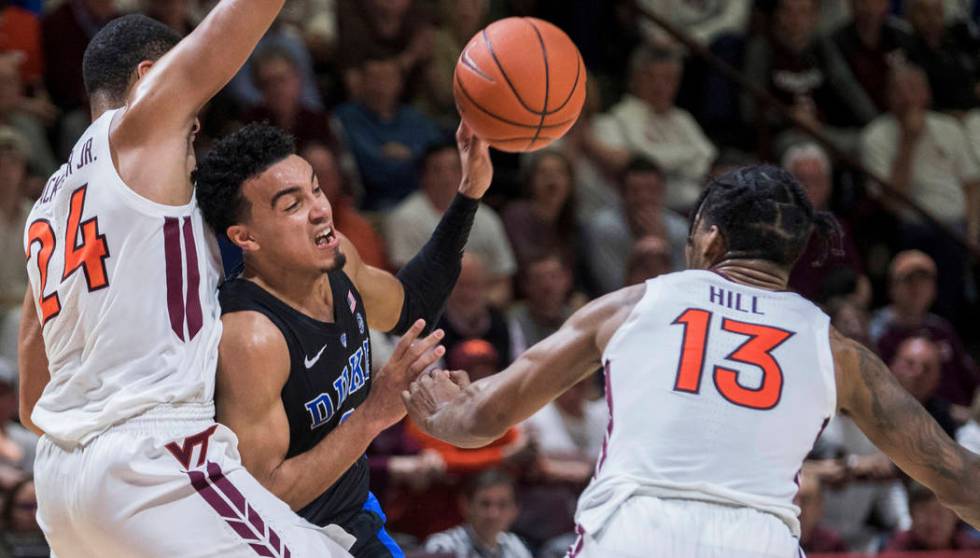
x,y
763,212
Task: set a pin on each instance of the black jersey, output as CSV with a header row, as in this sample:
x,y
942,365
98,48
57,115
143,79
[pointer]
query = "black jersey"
x,y
329,376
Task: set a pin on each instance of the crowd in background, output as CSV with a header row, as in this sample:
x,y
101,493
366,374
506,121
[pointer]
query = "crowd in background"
x,y
365,86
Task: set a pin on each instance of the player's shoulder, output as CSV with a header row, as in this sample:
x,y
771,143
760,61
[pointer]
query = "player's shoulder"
x,y
251,332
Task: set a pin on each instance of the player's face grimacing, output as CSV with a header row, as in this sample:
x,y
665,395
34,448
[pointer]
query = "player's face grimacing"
x,y
289,222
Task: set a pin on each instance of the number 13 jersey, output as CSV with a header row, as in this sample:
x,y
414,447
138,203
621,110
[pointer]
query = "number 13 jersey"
x,y
717,392
126,292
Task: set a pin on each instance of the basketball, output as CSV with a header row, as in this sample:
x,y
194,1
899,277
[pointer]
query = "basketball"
x,y
520,84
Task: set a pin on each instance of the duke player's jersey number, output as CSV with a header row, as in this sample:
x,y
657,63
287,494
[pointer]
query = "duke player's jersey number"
x,y
87,252
755,351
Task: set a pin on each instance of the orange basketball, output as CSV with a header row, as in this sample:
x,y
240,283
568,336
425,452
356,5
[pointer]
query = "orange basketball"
x,y
520,84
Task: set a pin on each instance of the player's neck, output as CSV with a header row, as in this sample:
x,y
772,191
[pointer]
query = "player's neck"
x,y
754,273
310,295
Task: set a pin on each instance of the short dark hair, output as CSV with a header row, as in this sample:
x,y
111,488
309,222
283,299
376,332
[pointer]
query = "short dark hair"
x,y
638,164
441,144
238,157
763,213
486,479
269,52
118,48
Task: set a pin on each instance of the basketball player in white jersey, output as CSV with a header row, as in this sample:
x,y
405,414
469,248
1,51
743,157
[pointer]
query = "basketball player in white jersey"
x,y
718,382
121,323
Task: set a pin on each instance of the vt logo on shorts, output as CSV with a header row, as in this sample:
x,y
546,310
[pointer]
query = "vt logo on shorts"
x,y
224,498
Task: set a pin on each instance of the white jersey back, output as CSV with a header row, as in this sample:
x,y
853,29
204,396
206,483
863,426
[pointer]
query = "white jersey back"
x,y
717,392
126,292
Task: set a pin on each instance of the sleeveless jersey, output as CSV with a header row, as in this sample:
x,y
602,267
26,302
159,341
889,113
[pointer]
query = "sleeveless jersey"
x,y
125,290
716,392
329,377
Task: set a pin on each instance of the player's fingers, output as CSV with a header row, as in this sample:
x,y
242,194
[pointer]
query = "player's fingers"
x,y
405,343
460,378
427,359
463,134
423,346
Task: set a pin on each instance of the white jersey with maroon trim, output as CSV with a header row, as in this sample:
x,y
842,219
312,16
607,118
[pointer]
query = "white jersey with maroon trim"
x,y
717,392
125,289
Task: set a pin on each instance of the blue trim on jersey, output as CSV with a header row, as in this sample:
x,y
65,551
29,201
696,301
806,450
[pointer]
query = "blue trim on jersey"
x,y
372,505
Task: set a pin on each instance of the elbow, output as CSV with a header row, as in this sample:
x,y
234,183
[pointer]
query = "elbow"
x,y
24,413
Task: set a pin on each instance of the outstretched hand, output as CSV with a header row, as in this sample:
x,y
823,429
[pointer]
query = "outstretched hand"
x,y
432,391
477,168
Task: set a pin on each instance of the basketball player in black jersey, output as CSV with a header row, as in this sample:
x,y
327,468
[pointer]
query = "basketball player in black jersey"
x,y
294,372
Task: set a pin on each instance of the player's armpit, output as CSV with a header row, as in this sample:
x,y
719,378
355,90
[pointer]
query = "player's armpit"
x,y
895,422
382,292
484,410
253,365
32,361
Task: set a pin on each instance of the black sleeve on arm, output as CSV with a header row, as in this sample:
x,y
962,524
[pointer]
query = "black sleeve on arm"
x,y
430,276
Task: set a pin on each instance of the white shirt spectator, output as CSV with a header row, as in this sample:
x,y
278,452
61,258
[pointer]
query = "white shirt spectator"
x,y
559,434
461,542
672,139
706,20
410,225
941,163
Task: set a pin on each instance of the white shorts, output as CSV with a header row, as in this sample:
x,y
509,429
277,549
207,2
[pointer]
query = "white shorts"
x,y
167,486
646,526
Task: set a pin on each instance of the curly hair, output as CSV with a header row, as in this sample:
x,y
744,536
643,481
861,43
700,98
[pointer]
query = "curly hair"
x,y
763,213
232,161
118,48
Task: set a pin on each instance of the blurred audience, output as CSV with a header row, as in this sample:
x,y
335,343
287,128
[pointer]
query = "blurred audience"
x,y
20,34
176,14
28,117
489,506
951,63
611,233
21,536
409,225
916,366
650,257
969,434
387,137
934,526
547,288
470,315
912,290
814,537
17,444
647,122
65,33
14,208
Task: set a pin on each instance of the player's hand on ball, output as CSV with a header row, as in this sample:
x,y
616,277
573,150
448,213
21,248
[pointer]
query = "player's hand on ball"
x,y
477,168
431,391
410,358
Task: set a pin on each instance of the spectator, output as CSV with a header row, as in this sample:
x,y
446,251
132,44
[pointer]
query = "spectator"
x,y
176,14
933,526
705,21
410,224
14,208
916,366
811,166
26,117
470,315
17,444
849,318
459,21
277,75
814,537
646,122
803,71
20,33
952,67
545,222
397,30
22,537
969,434
547,287
611,233
926,155
872,43
386,137
912,290
346,218
489,506
65,33
649,258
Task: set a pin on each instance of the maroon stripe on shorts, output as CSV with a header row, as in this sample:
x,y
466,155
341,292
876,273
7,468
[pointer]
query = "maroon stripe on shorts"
x,y
194,316
579,542
214,488
609,425
175,281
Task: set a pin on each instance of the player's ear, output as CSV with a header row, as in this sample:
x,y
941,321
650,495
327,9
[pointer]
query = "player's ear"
x,y
143,68
714,245
240,236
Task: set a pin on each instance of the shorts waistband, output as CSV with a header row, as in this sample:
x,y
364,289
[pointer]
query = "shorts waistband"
x,y
167,417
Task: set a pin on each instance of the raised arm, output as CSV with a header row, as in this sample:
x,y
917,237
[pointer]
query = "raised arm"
x,y
32,362
423,285
448,407
895,422
253,367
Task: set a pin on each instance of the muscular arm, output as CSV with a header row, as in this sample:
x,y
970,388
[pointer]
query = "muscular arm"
x,y
484,410
895,422
382,292
253,366
32,361
151,136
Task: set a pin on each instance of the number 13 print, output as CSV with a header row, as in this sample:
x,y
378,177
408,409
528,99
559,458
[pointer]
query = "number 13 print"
x,y
755,351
